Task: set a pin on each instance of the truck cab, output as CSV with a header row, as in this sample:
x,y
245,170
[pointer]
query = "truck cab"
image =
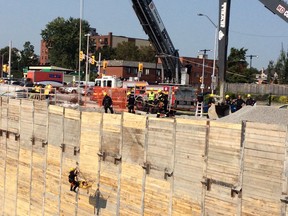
x,y
108,81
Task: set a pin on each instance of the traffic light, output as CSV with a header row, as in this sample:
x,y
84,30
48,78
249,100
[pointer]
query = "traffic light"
x,y
105,64
92,60
4,68
200,79
140,67
81,55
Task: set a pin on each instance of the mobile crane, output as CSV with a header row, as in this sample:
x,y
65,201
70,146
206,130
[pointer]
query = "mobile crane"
x,y
278,7
154,27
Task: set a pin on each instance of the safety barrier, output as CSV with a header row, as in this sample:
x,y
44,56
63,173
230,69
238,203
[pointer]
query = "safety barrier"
x,y
118,96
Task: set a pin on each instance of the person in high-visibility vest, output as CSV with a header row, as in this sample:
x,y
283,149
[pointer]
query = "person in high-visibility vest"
x,y
151,99
47,90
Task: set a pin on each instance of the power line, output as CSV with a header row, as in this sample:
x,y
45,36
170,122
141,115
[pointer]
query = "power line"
x,y
258,35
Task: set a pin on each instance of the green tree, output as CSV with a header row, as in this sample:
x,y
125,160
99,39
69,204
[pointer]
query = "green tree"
x,y
27,56
270,71
62,39
237,71
281,67
16,70
147,54
127,51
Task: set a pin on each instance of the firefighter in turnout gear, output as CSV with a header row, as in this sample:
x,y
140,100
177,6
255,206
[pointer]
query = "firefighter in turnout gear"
x,y
72,178
130,102
163,101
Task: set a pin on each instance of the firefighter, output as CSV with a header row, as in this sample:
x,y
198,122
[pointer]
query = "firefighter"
x,y
250,101
151,98
211,100
72,178
163,103
130,102
107,103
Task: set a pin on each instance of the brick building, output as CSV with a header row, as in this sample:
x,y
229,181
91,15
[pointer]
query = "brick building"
x,y
96,41
125,69
152,72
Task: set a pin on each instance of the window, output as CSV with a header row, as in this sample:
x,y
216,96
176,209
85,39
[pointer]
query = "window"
x,y
147,71
98,83
107,83
158,73
135,70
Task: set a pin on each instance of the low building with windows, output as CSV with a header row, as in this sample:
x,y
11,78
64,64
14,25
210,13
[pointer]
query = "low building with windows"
x,y
152,72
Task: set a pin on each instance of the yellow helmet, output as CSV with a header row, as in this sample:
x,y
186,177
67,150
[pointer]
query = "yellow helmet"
x,y
248,95
128,93
211,95
104,93
159,90
72,169
227,96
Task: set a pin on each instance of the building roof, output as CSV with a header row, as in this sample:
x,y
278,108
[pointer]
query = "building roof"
x,y
48,68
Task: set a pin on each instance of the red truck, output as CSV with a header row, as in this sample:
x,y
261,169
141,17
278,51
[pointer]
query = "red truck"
x,y
55,78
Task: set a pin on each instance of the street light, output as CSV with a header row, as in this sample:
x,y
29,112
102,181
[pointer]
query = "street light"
x,y
251,57
203,68
215,49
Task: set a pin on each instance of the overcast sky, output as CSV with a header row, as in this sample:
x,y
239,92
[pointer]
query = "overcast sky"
x,y
252,26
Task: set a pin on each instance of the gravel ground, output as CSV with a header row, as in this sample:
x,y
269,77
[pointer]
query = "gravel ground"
x,y
262,114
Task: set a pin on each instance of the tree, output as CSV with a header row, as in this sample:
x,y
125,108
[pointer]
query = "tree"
x,y
27,56
237,67
62,39
281,67
127,51
147,54
270,71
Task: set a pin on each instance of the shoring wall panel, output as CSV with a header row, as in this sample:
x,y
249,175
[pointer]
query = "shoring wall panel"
x,y
89,147
224,155
54,160
189,162
25,157
109,171
263,168
134,127
160,154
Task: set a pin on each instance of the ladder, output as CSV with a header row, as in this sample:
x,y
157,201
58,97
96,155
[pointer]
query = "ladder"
x,y
199,109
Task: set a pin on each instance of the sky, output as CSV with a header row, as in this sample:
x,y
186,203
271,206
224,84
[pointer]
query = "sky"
x,y
252,26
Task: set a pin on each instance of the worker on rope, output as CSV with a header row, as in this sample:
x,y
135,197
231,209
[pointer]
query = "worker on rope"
x,y
73,179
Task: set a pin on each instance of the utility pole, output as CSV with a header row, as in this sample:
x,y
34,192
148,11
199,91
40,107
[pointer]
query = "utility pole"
x,y
251,57
87,59
213,77
203,69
